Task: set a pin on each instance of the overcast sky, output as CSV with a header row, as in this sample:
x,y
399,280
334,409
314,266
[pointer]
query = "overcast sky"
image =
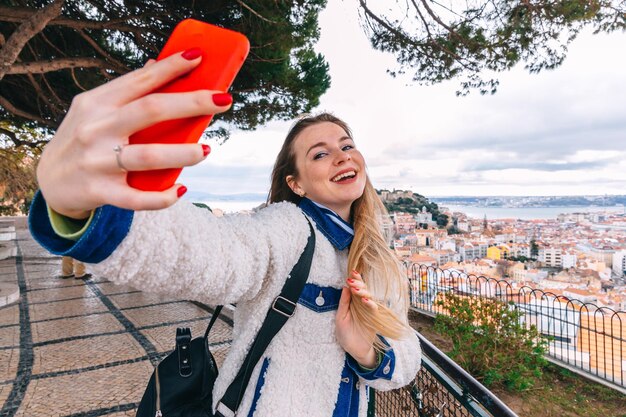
x,y
561,132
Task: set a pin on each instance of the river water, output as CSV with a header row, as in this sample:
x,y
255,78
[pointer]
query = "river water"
x,y
525,213
528,213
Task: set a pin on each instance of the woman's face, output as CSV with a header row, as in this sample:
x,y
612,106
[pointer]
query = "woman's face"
x,y
331,170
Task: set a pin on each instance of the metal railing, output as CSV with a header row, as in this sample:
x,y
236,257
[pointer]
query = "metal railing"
x,y
441,389
582,337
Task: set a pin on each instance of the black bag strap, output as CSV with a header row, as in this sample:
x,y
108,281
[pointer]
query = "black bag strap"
x,y
214,317
281,310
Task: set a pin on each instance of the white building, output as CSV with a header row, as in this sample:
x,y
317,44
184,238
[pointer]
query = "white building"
x,y
470,251
424,217
404,222
619,262
443,256
569,260
604,254
571,217
551,256
520,249
505,238
388,228
446,244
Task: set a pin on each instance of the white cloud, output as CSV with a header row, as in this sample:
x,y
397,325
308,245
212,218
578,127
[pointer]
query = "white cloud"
x,y
558,132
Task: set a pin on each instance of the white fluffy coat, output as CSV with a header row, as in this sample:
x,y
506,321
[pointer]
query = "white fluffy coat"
x,y
188,252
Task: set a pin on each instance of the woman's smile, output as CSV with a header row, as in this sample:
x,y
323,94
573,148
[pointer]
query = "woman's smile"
x,y
346,176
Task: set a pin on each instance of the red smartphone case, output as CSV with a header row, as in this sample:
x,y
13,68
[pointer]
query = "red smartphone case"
x,y
223,54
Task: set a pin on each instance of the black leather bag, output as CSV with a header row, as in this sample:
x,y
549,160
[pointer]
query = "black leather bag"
x,y
182,384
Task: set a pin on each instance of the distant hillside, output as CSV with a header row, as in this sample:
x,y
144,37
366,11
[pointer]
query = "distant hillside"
x,y
414,205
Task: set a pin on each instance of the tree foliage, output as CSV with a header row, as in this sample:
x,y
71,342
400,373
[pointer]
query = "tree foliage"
x,y
51,50
414,206
19,152
491,341
436,42
534,249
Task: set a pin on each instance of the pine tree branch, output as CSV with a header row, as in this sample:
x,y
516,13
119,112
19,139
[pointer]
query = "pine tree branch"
x,y
8,106
20,14
78,84
42,95
401,35
25,31
40,67
254,12
32,79
19,142
117,66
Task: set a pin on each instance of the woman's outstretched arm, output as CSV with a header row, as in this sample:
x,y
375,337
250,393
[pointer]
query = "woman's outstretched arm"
x,y
185,250
78,170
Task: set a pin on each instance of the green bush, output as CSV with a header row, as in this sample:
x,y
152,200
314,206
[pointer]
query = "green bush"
x,y
491,342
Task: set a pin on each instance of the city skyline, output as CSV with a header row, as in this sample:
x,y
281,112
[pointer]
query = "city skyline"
x,y
560,132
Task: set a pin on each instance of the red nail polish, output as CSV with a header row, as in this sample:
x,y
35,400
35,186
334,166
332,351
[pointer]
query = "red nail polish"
x,y
191,54
206,149
350,280
365,299
357,290
181,190
222,99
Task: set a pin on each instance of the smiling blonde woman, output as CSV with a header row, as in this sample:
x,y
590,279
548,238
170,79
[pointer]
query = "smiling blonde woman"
x,y
349,333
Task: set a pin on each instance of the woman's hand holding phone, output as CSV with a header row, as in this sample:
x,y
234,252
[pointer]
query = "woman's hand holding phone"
x,y
78,170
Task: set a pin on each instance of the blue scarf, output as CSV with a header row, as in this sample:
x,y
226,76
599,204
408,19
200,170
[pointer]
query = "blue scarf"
x,y
337,231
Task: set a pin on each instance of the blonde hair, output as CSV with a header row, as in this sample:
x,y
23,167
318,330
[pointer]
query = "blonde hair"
x,y
369,253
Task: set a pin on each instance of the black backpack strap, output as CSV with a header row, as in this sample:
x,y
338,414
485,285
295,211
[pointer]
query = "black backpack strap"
x,y
281,310
214,317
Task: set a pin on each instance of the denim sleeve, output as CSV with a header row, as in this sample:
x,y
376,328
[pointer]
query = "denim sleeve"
x,y
384,369
109,226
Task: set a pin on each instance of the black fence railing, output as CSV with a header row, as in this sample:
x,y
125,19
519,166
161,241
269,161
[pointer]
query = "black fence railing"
x,y
585,338
441,389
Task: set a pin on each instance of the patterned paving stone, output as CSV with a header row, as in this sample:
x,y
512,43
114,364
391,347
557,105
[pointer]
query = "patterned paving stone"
x,y
52,282
5,390
111,288
8,364
42,272
78,326
57,294
164,314
85,344
56,309
138,299
10,315
93,390
84,353
163,338
9,336
53,265
7,268
129,413
8,277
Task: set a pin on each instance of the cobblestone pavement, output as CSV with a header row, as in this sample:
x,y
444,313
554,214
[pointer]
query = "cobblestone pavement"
x,y
84,348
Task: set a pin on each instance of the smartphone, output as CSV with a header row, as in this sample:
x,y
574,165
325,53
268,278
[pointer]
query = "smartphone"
x,y
223,54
